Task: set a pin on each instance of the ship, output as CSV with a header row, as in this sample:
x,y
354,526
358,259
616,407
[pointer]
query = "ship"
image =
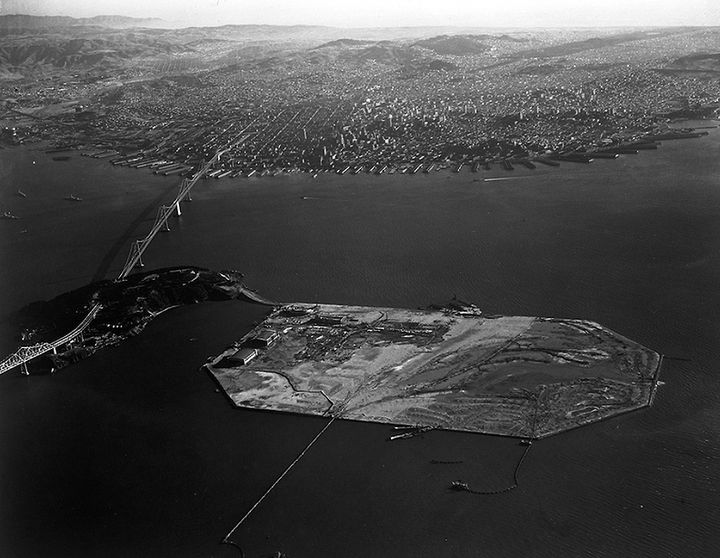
x,y
8,215
73,197
411,432
459,485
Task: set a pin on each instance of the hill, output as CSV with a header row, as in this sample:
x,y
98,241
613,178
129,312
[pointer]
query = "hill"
x,y
19,23
455,45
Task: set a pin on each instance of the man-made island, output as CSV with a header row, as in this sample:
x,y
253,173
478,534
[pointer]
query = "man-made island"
x,y
444,367
452,369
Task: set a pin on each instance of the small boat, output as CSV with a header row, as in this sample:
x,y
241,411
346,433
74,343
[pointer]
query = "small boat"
x,y
459,485
410,432
402,436
8,215
21,194
73,197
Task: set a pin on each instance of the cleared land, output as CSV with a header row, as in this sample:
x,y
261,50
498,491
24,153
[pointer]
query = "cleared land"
x,y
512,375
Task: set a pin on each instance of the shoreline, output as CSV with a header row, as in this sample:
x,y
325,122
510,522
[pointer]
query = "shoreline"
x,y
414,376
423,166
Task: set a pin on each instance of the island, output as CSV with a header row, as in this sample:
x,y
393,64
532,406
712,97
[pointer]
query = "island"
x,y
125,307
446,367
451,368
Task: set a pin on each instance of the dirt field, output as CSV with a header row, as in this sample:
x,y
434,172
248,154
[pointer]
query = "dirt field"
x,y
514,376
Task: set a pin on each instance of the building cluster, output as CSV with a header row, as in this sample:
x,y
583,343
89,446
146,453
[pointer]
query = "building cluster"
x,y
301,113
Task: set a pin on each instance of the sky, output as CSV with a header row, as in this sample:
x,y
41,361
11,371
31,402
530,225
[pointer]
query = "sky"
x,y
391,13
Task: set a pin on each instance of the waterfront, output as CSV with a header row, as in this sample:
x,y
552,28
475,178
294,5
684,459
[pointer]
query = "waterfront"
x,y
132,452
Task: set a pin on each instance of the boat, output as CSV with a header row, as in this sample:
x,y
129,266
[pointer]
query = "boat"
x,y
21,194
73,197
8,215
459,485
402,436
410,432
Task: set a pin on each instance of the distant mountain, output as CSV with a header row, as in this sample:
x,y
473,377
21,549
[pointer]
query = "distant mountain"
x,y
345,43
121,22
407,60
699,62
22,23
702,65
85,51
384,51
594,43
455,45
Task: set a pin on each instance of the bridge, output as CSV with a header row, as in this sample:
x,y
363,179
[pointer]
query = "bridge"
x,y
134,259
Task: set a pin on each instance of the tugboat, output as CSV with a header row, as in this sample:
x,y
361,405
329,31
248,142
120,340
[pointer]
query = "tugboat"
x,y
459,486
73,197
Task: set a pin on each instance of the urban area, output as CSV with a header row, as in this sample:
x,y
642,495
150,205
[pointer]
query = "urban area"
x,y
301,103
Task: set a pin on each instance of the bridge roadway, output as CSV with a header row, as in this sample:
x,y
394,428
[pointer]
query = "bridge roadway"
x,y
25,354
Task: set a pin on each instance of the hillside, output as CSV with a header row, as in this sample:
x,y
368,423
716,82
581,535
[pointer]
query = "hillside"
x,y
60,50
22,23
455,45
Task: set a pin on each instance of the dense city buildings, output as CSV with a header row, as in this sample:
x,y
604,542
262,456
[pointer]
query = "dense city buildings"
x,y
167,100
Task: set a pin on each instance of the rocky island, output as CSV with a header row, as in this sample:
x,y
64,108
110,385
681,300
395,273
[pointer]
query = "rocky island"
x,y
451,369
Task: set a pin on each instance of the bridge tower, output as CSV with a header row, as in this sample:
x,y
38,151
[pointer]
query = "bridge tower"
x,y
134,258
138,249
162,214
183,195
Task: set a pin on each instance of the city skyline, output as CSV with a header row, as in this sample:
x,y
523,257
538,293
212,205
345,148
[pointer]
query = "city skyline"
x,y
376,13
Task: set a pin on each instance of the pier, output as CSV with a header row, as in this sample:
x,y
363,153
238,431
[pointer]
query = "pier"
x,y
462,486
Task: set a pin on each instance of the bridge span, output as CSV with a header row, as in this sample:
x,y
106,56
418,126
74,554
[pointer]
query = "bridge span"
x,y
25,354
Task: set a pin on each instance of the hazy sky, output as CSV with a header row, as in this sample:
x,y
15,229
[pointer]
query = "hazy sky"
x,y
388,13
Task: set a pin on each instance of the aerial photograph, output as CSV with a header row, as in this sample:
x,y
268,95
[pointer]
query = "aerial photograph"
x,y
359,279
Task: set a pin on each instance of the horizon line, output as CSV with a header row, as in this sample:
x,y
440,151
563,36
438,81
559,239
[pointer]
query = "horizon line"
x,y
184,25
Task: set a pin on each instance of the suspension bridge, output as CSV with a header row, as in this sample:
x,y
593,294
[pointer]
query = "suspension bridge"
x,y
23,355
